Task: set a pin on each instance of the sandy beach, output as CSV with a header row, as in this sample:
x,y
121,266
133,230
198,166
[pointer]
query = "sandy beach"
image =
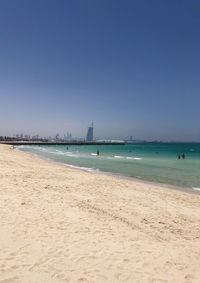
x,y
65,225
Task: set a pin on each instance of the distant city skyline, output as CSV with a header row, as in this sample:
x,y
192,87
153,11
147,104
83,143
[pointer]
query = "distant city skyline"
x,y
132,67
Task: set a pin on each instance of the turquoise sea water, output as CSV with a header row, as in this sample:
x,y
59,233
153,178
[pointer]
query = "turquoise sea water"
x,y
156,162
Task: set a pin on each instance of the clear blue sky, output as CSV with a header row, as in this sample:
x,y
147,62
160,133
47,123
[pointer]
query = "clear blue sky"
x,y
132,67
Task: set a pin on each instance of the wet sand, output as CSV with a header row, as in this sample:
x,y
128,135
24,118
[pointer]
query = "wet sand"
x,y
60,224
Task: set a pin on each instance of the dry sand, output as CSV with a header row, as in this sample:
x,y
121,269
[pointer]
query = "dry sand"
x,y
64,225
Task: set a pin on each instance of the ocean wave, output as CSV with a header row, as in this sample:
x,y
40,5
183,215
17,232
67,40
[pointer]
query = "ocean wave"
x,y
22,146
88,169
196,189
135,158
71,155
60,152
118,156
42,149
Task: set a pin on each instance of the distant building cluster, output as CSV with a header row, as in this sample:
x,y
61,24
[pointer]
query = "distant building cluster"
x,y
62,138
68,137
57,138
25,137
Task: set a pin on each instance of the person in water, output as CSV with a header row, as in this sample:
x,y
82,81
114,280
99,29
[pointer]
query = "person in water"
x,y
183,155
97,152
179,157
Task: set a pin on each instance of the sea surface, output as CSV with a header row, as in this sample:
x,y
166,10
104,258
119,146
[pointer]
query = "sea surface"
x,y
157,162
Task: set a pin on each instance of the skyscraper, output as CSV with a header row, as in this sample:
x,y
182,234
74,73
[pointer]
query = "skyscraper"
x,y
90,131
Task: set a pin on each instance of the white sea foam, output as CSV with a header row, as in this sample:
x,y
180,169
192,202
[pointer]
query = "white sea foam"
x,y
22,146
135,158
71,155
82,168
196,189
94,154
118,156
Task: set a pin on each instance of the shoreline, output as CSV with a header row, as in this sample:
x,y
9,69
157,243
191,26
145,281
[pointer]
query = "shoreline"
x,y
189,190
60,224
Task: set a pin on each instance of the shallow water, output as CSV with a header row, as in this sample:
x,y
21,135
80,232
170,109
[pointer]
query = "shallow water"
x,y
156,162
